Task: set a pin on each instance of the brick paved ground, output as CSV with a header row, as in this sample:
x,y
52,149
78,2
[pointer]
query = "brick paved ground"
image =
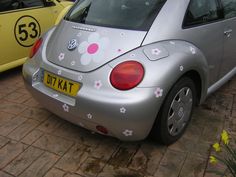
x,y
35,143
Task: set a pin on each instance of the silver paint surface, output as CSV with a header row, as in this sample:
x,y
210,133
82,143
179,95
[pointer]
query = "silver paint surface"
x,y
204,49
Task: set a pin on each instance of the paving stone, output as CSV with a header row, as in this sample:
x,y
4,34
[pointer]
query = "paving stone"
x,y
37,114
234,102
12,108
111,171
53,144
24,160
139,161
23,129
193,132
50,124
183,145
213,168
41,166
6,89
123,155
72,175
105,149
73,158
234,113
199,148
54,172
5,117
17,97
77,134
91,167
9,126
2,95
32,137
4,141
211,134
31,103
10,151
193,167
154,154
22,90
171,164
3,174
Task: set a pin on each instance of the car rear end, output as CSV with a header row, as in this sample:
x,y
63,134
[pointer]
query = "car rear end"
x,y
91,68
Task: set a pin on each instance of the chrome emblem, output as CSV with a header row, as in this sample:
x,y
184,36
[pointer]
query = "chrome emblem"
x,y
72,44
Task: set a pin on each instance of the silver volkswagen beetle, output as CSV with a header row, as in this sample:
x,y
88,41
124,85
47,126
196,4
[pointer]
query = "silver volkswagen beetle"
x,y
130,68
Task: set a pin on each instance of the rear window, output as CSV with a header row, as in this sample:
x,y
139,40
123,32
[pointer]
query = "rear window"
x,y
125,14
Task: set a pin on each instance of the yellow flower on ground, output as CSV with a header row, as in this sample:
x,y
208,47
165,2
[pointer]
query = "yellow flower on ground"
x,y
225,137
213,160
216,146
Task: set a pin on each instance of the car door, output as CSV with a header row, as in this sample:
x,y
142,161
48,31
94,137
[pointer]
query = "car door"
x,y
21,23
203,26
229,56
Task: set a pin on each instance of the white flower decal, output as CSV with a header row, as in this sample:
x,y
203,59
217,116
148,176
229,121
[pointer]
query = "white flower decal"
x,y
122,34
98,84
65,107
72,63
79,34
61,56
93,49
59,72
80,77
122,110
132,55
55,95
128,132
156,51
192,50
158,92
181,68
89,116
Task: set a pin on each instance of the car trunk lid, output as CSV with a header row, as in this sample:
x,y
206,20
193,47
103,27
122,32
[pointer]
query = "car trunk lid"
x,y
85,48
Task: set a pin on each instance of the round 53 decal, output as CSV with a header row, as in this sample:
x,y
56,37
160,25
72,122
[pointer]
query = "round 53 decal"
x,y
27,30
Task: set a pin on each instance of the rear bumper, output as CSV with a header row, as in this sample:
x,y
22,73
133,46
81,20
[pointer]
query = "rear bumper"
x,y
128,115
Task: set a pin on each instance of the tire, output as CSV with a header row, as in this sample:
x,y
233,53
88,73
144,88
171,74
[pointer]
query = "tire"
x,y
175,113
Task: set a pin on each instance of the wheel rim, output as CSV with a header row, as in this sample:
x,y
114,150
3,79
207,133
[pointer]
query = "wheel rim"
x,y
180,111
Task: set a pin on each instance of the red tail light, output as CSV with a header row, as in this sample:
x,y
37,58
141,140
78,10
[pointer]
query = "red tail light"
x,y
127,75
35,47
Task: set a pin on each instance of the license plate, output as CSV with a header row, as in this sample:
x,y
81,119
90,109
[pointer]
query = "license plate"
x,y
60,84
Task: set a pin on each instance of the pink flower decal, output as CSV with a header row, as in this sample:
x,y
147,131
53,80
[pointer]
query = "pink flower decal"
x,y
98,84
158,92
93,49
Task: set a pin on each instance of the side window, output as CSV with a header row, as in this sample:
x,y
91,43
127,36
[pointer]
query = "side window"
x,y
8,5
32,3
229,8
201,12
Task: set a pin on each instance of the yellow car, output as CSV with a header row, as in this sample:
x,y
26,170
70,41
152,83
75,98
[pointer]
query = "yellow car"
x,y
21,23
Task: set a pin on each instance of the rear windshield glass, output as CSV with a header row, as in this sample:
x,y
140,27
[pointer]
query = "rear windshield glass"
x,y
125,14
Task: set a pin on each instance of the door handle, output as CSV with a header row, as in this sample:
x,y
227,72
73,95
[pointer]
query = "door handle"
x,y
228,32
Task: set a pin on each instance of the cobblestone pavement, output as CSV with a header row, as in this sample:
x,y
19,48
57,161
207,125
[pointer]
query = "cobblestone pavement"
x,y
35,143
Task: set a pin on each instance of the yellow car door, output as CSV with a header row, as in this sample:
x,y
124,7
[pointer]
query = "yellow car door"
x,y
21,23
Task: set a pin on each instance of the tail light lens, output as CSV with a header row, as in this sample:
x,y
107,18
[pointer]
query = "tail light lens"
x,y
127,75
35,47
